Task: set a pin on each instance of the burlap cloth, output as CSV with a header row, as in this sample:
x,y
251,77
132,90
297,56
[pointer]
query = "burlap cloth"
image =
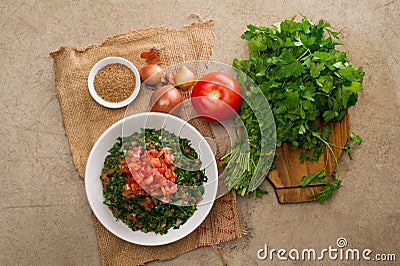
x,y
85,121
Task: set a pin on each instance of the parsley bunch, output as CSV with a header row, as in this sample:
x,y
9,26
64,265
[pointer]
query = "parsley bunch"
x,y
306,80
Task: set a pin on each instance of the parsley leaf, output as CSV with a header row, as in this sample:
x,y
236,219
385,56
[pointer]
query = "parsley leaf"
x,y
306,81
318,176
327,192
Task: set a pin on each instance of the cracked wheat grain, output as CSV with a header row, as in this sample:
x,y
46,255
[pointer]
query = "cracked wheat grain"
x,y
114,82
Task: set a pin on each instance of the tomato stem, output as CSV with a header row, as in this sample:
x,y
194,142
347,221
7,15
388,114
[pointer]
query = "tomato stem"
x,y
215,94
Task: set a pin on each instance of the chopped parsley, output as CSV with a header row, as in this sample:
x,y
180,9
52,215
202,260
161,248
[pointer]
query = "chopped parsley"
x,y
141,211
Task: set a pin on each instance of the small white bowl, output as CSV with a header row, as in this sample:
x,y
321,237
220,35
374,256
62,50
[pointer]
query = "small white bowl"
x,y
108,61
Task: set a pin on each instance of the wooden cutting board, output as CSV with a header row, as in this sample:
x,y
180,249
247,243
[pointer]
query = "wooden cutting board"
x,y
290,171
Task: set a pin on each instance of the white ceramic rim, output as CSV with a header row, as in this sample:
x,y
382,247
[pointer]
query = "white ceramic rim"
x,y
107,61
95,196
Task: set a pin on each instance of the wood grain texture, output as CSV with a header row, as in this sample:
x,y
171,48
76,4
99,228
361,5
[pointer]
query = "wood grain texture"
x,y
290,171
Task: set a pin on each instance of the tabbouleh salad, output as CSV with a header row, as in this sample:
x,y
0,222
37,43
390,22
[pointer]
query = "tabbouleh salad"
x,y
146,163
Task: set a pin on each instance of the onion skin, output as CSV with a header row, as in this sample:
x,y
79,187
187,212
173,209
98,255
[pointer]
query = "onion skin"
x,y
166,99
151,74
184,78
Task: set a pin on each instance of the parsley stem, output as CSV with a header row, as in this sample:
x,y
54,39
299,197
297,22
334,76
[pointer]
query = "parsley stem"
x,y
336,146
326,161
301,56
331,150
340,147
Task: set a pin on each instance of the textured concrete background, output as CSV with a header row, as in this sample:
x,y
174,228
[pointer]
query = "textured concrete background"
x,y
45,217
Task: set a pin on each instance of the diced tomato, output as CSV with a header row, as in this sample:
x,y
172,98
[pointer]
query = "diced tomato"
x,y
111,171
152,153
168,173
151,172
147,204
127,187
155,162
138,225
162,170
104,177
127,193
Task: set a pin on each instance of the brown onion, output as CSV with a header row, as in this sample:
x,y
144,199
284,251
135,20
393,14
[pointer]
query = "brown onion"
x,y
184,78
151,74
166,99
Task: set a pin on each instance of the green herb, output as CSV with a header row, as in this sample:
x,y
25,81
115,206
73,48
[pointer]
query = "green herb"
x,y
306,81
320,176
251,154
354,140
327,192
144,212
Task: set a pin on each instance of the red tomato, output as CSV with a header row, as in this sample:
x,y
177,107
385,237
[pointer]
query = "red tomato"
x,y
155,162
162,170
216,96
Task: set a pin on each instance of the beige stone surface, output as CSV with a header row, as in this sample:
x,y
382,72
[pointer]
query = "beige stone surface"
x,y
45,217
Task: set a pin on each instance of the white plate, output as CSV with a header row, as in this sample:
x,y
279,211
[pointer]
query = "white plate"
x,y
126,127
